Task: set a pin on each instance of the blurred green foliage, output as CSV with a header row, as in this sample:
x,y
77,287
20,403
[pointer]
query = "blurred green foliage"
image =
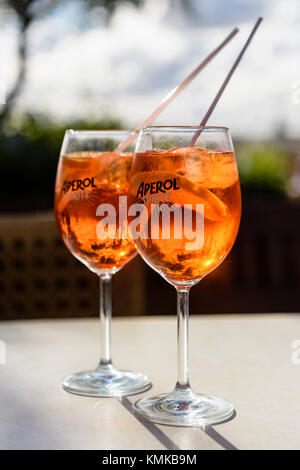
x,y
30,147
29,152
265,170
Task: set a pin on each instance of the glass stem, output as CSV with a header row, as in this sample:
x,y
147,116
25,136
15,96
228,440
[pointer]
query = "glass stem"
x,y
105,320
183,383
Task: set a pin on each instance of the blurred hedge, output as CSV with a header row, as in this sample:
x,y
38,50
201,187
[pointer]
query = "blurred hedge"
x,y
265,170
29,152
30,146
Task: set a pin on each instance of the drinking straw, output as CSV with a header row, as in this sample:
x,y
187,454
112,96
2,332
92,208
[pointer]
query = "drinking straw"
x,y
225,83
175,92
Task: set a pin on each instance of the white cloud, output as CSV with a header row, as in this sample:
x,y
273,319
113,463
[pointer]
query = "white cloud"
x,y
128,67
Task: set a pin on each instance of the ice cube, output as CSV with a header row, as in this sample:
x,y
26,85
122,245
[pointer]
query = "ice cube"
x,y
193,193
223,170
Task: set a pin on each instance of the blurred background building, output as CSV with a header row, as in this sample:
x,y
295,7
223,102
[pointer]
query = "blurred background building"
x,y
105,64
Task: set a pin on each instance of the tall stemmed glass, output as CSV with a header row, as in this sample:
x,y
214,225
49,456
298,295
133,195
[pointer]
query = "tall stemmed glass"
x,y
185,207
90,178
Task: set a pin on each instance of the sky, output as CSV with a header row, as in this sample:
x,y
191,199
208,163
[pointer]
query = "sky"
x,y
80,68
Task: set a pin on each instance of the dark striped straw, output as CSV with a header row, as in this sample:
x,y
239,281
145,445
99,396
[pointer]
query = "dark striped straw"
x,y
175,92
225,83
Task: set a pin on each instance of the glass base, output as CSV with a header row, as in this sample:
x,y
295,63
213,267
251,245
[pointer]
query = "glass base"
x,y
184,409
106,381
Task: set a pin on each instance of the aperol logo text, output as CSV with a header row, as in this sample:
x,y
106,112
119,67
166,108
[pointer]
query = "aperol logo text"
x,y
75,185
157,221
78,189
157,191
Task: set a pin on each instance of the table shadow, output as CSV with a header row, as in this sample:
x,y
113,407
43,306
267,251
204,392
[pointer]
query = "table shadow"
x,y
167,442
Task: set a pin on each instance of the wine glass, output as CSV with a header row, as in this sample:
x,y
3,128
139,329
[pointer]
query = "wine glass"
x,y
90,177
185,207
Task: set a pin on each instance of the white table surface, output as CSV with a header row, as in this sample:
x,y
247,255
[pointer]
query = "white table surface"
x,y
245,359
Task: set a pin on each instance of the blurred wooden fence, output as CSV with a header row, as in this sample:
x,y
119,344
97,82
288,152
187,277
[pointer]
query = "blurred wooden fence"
x,y
39,278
